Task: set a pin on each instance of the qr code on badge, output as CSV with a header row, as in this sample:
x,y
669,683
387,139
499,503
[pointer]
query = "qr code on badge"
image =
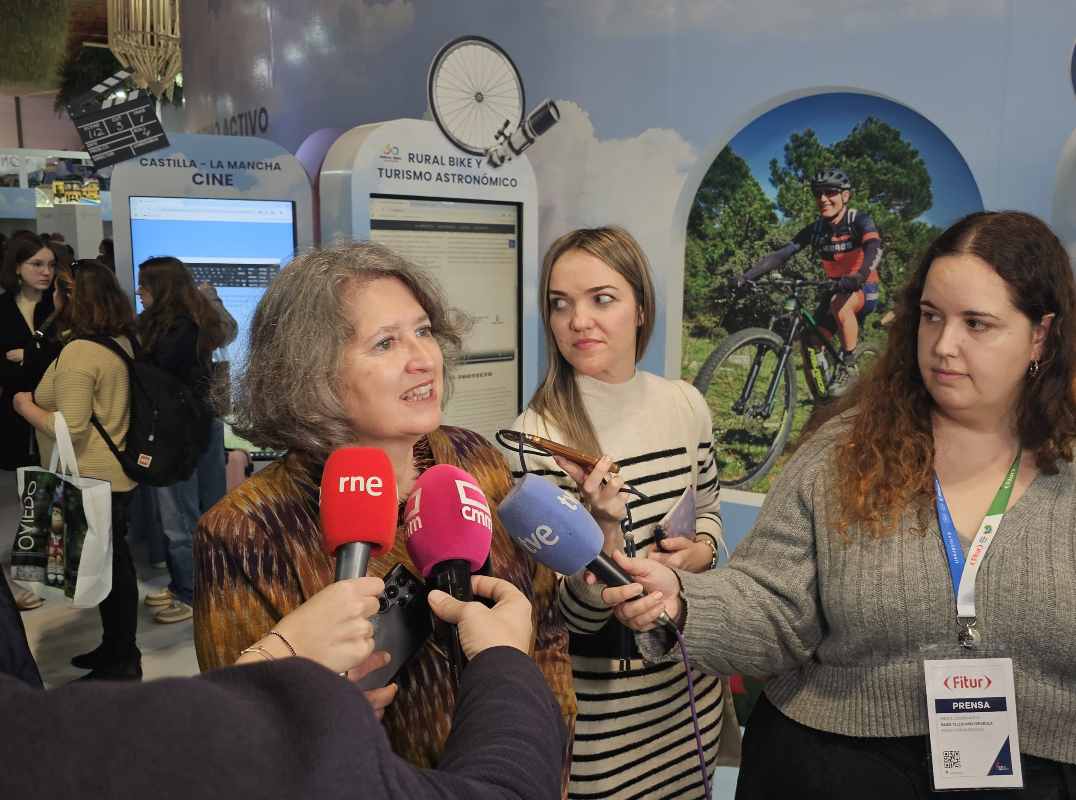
x,y
951,759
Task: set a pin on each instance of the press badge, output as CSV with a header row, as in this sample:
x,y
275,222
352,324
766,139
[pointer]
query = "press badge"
x,y
971,709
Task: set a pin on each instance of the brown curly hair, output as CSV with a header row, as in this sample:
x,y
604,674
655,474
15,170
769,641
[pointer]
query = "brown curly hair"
x,y
885,460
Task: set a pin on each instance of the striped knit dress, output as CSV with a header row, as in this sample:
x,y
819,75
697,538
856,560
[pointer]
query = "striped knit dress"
x,y
633,735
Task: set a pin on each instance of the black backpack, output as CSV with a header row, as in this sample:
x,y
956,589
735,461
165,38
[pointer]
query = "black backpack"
x,y
169,425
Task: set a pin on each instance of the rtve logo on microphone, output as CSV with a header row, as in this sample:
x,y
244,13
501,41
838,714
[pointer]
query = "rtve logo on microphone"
x,y
372,486
544,535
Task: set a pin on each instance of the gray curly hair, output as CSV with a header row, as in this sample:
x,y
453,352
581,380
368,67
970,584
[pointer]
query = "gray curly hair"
x,y
288,395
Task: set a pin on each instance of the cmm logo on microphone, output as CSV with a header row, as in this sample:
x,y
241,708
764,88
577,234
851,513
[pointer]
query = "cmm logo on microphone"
x,y
412,520
473,506
953,682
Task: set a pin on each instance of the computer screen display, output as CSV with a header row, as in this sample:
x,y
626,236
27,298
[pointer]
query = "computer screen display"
x,y
472,249
238,246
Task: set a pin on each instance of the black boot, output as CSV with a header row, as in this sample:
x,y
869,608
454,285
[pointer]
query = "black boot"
x,y
117,669
92,659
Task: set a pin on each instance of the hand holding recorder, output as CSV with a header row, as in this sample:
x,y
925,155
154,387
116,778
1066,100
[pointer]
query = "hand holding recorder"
x,y
554,449
598,479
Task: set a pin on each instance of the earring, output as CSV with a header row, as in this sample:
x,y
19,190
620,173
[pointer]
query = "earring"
x,y
1033,368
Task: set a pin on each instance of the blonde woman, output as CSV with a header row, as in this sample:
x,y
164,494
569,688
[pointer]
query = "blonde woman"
x,y
633,735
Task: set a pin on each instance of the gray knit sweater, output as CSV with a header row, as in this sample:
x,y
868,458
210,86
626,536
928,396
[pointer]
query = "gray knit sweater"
x,y
842,629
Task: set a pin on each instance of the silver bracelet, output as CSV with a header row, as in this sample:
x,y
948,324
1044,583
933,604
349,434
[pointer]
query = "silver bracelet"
x,y
713,548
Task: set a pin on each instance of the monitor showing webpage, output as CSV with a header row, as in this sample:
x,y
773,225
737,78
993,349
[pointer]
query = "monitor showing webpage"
x,y
472,249
237,246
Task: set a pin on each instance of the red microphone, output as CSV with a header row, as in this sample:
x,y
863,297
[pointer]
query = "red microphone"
x,y
358,508
448,529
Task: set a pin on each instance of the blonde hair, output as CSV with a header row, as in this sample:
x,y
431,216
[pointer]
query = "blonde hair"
x,y
557,399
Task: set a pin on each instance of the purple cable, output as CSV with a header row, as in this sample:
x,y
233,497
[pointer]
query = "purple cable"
x,y
694,713
627,526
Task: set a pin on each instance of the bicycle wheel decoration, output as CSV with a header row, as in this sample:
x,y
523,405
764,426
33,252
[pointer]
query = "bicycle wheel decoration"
x,y
475,91
751,399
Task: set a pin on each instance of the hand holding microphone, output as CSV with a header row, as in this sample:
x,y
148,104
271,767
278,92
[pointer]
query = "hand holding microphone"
x,y
557,531
358,520
449,530
660,604
507,624
332,627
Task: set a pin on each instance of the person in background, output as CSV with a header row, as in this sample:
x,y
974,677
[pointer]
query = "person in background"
x,y
212,479
88,379
106,253
348,346
849,246
286,725
16,659
26,276
848,580
179,330
65,256
633,737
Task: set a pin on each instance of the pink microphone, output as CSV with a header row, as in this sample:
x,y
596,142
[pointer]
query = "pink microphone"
x,y
448,530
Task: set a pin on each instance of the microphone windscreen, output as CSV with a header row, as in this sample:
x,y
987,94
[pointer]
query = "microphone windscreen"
x,y
447,518
358,499
551,525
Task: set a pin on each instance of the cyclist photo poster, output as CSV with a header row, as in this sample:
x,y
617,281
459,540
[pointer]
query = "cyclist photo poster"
x,y
802,230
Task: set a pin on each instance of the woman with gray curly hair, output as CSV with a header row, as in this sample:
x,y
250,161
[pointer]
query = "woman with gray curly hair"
x,y
349,346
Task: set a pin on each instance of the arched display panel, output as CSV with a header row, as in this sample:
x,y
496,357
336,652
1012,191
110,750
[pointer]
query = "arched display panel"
x,y
233,209
907,178
472,227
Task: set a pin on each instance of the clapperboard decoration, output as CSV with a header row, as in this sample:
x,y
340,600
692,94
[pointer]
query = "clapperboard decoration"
x,y
114,130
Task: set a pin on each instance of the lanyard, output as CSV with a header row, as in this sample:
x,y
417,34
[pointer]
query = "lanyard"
x,y
963,574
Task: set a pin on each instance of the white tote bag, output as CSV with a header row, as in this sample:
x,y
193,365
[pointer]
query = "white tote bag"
x,y
61,506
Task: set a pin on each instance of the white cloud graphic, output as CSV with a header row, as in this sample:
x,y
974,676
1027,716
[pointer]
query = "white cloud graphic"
x,y
629,18
584,181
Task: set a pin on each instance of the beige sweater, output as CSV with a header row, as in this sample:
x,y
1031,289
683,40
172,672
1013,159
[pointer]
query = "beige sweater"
x,y
88,379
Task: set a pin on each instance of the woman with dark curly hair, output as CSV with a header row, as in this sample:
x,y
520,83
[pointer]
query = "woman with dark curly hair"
x,y
351,346
849,580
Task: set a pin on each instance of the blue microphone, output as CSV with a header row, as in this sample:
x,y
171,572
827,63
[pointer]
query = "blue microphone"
x,y
552,525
